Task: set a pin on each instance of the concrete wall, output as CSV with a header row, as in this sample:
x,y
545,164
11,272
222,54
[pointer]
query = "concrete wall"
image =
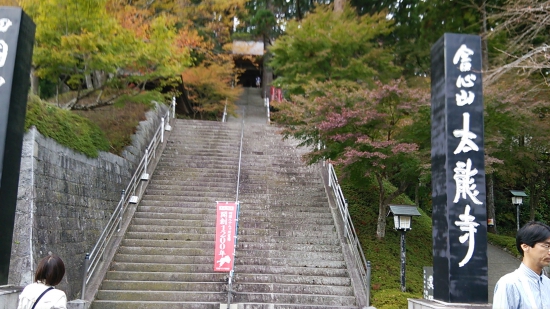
x,y
65,200
9,296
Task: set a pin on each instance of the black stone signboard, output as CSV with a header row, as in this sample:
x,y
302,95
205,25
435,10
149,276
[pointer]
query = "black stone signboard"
x,y
16,45
428,274
458,171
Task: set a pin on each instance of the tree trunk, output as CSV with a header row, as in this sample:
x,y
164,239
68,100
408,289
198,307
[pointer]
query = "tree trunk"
x,y
491,204
339,5
416,197
533,201
35,85
267,72
89,82
484,45
381,222
99,78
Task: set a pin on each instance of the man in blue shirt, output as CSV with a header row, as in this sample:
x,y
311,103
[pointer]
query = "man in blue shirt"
x,y
527,287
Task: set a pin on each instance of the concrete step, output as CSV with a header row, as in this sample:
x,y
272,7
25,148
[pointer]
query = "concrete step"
x,y
104,304
302,256
292,279
179,184
180,296
248,212
243,239
205,174
283,225
168,243
168,276
252,215
175,216
284,233
216,196
198,265
169,236
177,208
204,192
205,265
285,288
220,168
295,298
256,262
117,304
171,229
167,251
288,247
151,285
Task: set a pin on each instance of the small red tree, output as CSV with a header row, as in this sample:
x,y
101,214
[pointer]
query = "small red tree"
x,y
360,131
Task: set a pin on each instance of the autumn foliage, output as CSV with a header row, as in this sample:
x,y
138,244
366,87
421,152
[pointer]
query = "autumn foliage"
x,y
109,49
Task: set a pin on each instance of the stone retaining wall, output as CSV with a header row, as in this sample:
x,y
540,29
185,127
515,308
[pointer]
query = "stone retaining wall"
x,y
65,199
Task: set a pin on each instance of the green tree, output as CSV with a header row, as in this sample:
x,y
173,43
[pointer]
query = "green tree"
x,y
516,130
204,29
329,46
81,44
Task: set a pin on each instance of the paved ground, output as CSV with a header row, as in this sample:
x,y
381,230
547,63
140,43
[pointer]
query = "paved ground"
x,y
500,263
251,104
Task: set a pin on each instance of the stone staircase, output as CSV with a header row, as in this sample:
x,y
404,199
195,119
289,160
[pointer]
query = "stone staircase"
x,y
289,254
166,258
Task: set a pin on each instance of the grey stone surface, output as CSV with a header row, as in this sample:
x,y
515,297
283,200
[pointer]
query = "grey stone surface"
x,y
65,200
9,296
78,304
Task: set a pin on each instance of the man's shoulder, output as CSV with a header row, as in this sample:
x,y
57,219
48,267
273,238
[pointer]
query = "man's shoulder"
x,y
509,278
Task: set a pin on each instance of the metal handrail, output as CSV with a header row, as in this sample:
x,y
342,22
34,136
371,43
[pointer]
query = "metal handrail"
x,y
93,259
266,104
232,272
224,117
362,264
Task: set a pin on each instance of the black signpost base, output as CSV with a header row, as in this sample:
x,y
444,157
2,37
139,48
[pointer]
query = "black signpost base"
x,y
16,46
435,304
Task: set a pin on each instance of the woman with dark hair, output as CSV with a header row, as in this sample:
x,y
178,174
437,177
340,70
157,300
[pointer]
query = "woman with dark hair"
x,y
41,294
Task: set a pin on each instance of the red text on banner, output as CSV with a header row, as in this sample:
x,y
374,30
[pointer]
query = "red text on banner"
x,y
225,230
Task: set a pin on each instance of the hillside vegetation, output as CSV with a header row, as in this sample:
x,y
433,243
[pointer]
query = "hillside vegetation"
x,y
107,128
384,254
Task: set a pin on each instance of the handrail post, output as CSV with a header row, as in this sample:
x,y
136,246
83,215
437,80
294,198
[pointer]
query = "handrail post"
x,y
162,130
268,116
224,112
167,126
86,265
347,217
122,196
368,283
146,159
173,105
229,289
